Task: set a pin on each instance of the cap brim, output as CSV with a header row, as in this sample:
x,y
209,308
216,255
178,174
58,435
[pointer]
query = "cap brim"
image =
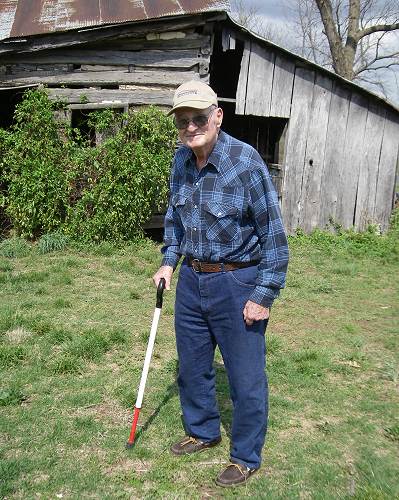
x,y
193,105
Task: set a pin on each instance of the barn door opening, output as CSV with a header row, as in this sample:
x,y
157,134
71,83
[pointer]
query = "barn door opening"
x,y
266,134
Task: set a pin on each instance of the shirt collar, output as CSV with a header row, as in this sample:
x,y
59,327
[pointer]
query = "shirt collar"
x,y
217,158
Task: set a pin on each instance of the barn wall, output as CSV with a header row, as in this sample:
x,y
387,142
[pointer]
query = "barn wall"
x,y
341,148
342,145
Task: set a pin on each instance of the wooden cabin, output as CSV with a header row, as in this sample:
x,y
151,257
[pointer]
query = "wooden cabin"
x,y
331,146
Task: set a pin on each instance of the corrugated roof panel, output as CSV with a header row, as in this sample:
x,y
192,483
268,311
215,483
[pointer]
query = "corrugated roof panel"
x,y
7,15
21,18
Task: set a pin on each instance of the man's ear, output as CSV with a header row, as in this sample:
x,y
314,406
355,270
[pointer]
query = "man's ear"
x,y
219,117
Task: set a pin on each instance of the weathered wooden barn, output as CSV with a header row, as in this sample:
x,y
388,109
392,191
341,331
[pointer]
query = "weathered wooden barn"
x,y
331,146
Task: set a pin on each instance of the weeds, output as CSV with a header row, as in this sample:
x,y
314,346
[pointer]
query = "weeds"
x,y
11,396
52,242
14,247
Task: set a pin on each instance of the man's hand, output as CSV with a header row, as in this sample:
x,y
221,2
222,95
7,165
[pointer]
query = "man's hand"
x,y
163,272
254,312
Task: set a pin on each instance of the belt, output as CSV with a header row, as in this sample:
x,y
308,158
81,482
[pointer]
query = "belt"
x,y
217,267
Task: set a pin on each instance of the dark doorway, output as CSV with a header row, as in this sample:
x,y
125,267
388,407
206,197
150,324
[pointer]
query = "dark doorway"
x,y
9,98
265,134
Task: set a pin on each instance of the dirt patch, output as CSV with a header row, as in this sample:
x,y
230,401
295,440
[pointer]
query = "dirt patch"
x,y
107,410
129,465
307,426
209,493
18,335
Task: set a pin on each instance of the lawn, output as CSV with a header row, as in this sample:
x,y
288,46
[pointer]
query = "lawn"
x,y
74,325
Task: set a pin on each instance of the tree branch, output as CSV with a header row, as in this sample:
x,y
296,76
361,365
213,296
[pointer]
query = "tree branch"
x,y
378,27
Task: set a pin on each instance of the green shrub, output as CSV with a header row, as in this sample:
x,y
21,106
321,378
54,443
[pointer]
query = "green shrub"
x,y
54,182
126,179
35,168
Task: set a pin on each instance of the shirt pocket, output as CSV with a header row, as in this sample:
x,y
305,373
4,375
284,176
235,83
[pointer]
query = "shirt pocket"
x,y
222,222
180,206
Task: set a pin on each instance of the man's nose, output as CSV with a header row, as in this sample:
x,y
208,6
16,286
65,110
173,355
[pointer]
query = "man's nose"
x,y
191,125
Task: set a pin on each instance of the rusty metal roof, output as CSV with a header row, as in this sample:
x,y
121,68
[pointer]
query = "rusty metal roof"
x,y
22,18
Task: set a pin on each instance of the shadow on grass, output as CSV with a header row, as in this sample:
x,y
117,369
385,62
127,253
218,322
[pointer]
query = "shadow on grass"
x,y
171,391
223,397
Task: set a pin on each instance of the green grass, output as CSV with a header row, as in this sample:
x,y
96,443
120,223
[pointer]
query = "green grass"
x,y
74,322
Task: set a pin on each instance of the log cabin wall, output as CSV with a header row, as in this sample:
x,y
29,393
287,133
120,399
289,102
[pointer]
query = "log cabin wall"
x,y
341,151
117,67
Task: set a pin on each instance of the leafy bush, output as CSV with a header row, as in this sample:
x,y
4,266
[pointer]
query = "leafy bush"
x,y
53,181
126,179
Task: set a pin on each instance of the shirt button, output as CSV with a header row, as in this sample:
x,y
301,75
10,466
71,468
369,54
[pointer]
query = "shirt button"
x,y
195,206
194,228
196,183
219,214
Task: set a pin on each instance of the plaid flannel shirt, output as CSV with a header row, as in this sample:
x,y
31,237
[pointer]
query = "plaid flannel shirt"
x,y
227,212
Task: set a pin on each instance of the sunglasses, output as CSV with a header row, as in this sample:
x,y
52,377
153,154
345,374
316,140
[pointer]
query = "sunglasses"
x,y
199,121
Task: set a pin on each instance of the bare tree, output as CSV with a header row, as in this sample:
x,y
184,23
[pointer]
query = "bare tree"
x,y
249,15
358,39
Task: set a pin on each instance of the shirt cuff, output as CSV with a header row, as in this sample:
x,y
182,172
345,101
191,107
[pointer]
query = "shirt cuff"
x,y
170,258
264,296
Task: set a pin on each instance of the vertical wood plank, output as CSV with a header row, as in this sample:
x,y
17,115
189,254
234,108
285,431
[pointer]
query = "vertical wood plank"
x,y
352,158
296,146
260,81
282,87
241,93
333,159
367,185
387,171
315,152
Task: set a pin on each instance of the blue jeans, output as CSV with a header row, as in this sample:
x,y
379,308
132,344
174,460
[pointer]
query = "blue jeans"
x,y
209,312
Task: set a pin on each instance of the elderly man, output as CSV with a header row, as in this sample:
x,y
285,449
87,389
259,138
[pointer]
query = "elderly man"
x,y
224,218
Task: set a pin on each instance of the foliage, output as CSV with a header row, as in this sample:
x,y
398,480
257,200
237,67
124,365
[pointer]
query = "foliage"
x,y
53,180
124,179
11,396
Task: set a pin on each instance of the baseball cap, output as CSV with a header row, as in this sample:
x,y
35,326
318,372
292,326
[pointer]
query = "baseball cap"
x,y
193,94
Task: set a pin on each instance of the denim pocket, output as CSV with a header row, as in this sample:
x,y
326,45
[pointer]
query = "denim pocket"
x,y
245,277
222,222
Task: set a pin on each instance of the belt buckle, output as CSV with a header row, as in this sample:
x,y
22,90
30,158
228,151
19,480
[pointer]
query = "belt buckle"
x,y
196,265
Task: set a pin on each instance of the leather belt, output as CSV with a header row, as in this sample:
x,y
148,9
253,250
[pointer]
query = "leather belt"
x,y
217,267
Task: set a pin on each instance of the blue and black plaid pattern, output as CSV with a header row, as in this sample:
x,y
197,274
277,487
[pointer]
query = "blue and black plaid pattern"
x,y
227,212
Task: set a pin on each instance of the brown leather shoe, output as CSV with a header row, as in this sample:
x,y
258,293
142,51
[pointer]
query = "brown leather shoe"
x,y
189,445
234,475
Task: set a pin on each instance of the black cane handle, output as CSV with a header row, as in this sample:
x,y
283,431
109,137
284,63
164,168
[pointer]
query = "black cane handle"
x,y
160,289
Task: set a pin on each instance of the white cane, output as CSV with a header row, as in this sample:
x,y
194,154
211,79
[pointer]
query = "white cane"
x,y
147,360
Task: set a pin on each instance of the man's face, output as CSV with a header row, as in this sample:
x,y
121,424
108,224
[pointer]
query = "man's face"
x,y
198,129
